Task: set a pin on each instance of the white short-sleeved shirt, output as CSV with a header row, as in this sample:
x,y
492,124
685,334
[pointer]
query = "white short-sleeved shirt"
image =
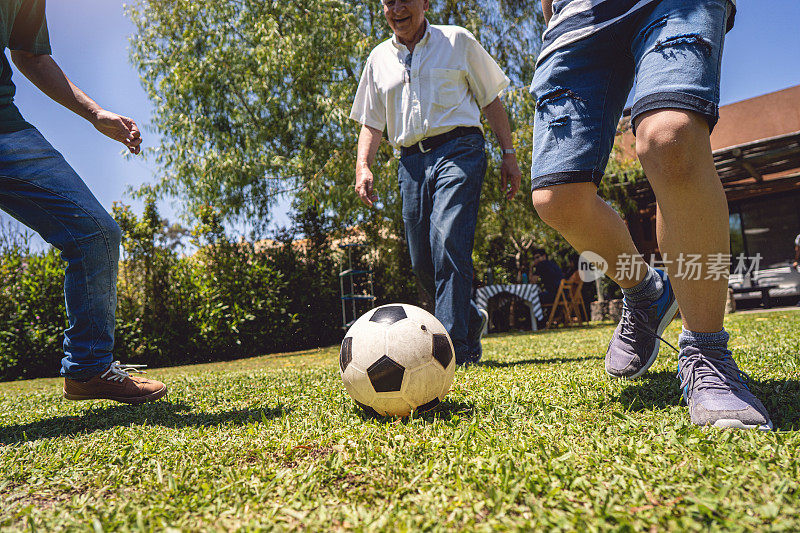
x,y
451,77
797,241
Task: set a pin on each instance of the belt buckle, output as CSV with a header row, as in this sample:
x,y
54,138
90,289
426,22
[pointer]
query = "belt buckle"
x,y
422,147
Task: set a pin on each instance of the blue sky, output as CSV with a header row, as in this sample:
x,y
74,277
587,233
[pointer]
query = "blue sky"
x,y
90,41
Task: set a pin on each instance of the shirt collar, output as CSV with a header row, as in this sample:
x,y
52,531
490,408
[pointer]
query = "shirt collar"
x,y
397,44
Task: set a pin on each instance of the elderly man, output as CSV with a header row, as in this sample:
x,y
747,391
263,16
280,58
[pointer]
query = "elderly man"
x,y
39,188
427,86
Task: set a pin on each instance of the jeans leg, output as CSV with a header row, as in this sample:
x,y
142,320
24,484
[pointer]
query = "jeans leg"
x,y
41,190
417,202
474,322
458,175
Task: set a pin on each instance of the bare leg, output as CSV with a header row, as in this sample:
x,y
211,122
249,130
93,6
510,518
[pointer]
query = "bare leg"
x,y
674,148
590,224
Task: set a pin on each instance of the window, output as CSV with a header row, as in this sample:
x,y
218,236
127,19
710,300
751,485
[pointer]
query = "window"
x,y
766,226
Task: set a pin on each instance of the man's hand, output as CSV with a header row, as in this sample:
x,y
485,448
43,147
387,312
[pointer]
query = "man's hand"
x,y
510,175
45,73
119,128
547,10
364,181
368,141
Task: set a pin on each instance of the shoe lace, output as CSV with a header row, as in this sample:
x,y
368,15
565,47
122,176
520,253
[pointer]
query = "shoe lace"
x,y
118,372
635,319
710,370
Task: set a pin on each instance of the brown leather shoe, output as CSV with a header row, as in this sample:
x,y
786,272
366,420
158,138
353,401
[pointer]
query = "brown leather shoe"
x,y
116,384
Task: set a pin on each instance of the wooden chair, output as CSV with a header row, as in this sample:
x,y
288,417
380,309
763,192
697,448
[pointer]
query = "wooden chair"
x,y
568,306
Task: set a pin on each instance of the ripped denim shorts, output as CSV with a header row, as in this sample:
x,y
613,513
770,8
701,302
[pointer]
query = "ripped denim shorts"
x,y
669,51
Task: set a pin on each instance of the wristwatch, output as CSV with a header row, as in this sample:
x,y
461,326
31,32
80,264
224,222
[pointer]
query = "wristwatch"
x,y
509,151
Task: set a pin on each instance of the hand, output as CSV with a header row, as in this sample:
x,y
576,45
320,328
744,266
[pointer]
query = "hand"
x,y
364,180
510,175
119,128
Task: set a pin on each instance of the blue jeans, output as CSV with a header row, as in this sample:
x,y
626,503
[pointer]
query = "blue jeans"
x,y
440,192
40,189
672,50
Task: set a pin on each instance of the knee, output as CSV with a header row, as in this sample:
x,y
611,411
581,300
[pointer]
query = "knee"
x,y
112,232
672,142
564,206
109,238
97,237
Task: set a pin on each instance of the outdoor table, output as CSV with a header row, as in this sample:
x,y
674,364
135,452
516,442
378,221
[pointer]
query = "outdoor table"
x,y
763,289
527,292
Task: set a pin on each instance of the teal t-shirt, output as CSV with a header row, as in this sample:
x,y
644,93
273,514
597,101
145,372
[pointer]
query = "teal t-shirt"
x,y
23,26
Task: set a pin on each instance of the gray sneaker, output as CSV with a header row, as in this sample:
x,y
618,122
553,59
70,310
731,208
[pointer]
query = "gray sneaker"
x,y
635,343
716,391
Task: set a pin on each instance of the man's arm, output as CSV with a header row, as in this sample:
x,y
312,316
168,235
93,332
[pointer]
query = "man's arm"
x,y
368,142
796,256
45,74
547,10
510,174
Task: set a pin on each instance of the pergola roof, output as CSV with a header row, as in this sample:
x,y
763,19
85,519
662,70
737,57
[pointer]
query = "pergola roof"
x,y
759,158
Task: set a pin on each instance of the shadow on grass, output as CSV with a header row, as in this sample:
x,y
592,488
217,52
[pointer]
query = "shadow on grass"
x,y
444,411
447,409
549,361
654,390
542,330
659,390
163,414
781,397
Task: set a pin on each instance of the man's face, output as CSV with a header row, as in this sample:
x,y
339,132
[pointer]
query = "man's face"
x,y
405,17
538,258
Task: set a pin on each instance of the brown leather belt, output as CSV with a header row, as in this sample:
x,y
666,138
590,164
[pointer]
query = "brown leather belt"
x,y
431,143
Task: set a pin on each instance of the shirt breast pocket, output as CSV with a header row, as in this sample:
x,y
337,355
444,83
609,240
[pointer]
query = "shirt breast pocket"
x,y
447,86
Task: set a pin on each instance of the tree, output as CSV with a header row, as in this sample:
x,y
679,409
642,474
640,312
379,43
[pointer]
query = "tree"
x,y
249,96
252,97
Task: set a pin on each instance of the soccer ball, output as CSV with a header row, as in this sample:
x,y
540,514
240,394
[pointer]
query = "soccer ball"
x,y
396,359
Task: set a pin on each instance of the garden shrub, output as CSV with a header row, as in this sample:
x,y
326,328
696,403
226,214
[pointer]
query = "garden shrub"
x,y
226,300
32,315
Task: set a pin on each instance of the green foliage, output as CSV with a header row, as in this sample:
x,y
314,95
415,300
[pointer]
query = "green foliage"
x,y
252,100
252,97
249,96
226,300
32,315
510,30
509,230
622,172
537,438
310,268
387,249
153,297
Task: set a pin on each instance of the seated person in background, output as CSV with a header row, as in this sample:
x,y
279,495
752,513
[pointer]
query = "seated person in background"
x,y
548,273
571,274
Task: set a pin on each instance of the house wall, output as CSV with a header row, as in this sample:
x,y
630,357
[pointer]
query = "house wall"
x,y
762,117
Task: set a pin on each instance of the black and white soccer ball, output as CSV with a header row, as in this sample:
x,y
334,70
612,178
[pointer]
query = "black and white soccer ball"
x,y
396,359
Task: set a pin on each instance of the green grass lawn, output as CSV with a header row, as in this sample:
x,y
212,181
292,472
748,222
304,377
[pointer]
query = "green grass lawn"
x,y
537,437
